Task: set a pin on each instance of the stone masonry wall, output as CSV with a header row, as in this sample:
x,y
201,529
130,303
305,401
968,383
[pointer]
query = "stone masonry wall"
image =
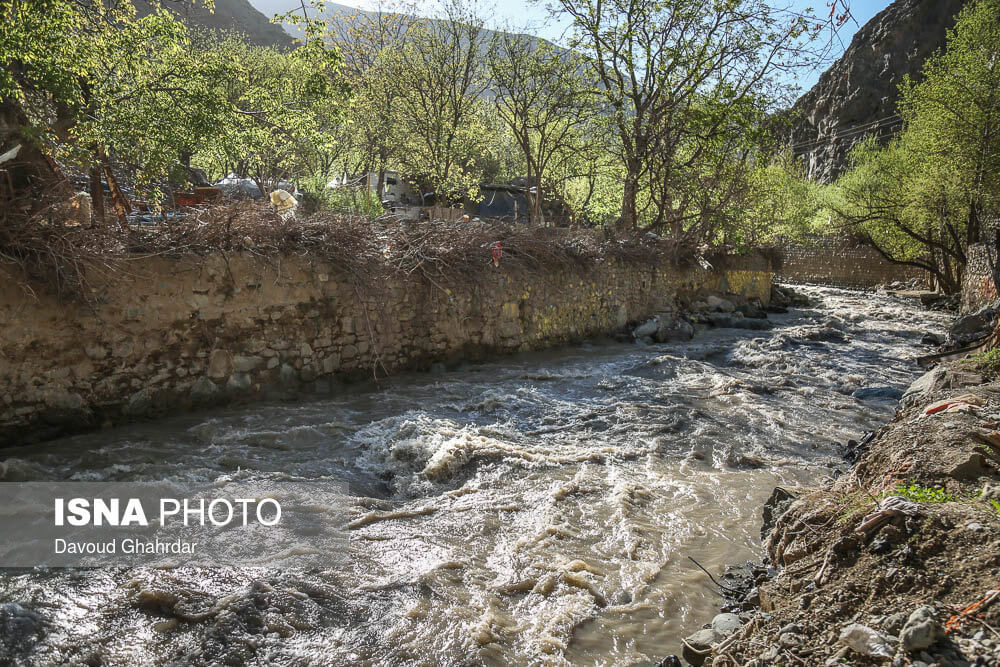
x,y
836,262
175,335
978,288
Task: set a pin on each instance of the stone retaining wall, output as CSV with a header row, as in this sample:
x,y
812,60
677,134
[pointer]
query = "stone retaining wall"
x,y
978,288
829,261
174,335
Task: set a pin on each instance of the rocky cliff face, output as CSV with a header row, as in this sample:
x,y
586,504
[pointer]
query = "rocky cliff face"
x,y
231,15
857,96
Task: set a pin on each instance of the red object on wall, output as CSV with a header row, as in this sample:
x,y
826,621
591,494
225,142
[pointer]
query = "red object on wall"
x,y
497,252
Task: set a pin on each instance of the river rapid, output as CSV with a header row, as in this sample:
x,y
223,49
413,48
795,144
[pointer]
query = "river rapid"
x,y
537,509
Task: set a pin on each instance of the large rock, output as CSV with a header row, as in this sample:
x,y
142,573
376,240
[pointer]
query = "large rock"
x,y
696,644
671,328
935,380
921,630
973,326
647,328
719,304
724,625
857,95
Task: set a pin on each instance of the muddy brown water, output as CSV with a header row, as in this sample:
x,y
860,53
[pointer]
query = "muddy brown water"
x,y
547,503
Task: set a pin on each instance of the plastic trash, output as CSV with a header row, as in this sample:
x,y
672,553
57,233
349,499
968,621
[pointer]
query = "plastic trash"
x,y
284,203
864,640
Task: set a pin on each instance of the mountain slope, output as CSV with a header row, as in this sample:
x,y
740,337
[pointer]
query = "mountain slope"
x,y
857,96
235,15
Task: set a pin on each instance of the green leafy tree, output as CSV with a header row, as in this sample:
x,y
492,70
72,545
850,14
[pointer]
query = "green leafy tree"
x,y
441,100
681,78
924,199
540,95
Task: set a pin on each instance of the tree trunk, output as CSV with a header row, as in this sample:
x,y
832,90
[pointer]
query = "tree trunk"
x,y
536,213
32,172
629,217
97,193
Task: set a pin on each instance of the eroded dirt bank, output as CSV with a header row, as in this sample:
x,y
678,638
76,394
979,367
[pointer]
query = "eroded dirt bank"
x,y
897,562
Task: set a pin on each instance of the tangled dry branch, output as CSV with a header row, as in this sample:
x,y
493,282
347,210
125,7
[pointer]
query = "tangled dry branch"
x,y
67,257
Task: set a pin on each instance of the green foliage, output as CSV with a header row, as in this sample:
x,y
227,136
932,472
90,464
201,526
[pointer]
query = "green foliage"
x,y
346,200
923,494
924,198
996,505
986,363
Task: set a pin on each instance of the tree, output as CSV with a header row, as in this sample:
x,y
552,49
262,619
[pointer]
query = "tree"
x,y
279,108
540,95
678,75
370,43
924,198
443,81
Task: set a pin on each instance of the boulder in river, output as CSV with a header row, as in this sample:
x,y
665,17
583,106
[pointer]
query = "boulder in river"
x,y
720,305
671,328
647,328
878,394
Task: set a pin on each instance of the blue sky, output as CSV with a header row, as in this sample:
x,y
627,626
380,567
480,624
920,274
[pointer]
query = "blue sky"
x,y
532,17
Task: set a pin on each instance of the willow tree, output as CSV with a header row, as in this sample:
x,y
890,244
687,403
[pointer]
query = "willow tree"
x,y
681,78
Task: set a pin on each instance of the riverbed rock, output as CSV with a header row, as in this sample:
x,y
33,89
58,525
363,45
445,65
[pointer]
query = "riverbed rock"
x,y
699,641
203,390
724,625
921,630
647,328
140,403
720,305
671,328
878,394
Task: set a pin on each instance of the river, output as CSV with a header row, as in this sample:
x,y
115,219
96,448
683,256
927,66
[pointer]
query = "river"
x,y
547,503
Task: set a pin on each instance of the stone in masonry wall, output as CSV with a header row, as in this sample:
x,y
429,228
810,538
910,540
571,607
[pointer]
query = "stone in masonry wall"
x,y
174,335
836,262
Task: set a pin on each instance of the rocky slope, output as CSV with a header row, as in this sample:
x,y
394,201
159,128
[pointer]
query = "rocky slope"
x,y
857,95
235,15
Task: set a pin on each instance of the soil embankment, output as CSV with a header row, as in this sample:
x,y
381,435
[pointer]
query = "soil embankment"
x,y
897,562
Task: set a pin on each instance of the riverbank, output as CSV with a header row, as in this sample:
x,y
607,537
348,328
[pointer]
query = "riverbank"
x,y
256,309
896,562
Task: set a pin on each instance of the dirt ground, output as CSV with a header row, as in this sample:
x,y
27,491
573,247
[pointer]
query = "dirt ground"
x,y
934,548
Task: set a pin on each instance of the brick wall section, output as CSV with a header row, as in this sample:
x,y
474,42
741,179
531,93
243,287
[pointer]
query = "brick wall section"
x,y
978,288
174,335
837,262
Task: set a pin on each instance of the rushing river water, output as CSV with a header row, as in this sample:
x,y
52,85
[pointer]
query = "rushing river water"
x,y
546,504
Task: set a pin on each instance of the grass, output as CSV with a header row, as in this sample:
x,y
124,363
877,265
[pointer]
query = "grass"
x,y
996,505
987,363
923,494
